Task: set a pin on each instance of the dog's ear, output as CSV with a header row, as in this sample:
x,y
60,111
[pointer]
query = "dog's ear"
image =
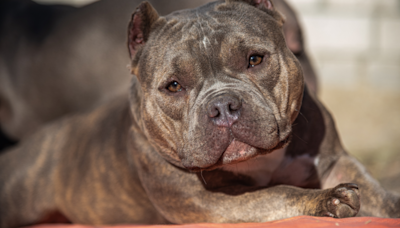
x,y
264,5
140,26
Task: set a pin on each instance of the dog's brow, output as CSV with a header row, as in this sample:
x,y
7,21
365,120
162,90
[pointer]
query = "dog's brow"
x,y
207,32
205,41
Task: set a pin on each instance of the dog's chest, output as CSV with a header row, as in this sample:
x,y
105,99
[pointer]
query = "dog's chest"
x,y
276,168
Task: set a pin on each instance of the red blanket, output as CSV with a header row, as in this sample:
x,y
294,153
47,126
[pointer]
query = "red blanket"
x,y
300,222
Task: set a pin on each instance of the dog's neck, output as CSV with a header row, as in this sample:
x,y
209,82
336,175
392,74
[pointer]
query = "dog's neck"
x,y
259,168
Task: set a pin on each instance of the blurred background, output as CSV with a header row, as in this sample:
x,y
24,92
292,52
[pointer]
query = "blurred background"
x,y
355,48
76,3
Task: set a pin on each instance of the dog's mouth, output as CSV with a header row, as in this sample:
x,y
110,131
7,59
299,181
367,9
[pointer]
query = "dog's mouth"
x,y
238,152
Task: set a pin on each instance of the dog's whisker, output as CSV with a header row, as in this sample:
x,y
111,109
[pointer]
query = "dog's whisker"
x,y
201,174
300,138
303,116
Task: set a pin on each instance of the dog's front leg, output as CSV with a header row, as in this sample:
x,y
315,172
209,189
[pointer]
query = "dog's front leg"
x,y
181,197
375,200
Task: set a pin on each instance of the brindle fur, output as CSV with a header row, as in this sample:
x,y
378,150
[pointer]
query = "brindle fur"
x,y
135,161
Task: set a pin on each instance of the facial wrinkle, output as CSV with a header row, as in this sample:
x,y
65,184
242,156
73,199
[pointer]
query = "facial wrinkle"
x,y
206,41
196,97
283,71
221,88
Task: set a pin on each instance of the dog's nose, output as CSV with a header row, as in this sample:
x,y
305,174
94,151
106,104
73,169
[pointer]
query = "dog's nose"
x,y
224,110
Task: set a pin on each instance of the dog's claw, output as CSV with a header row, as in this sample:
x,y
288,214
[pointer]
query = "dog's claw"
x,y
328,214
336,202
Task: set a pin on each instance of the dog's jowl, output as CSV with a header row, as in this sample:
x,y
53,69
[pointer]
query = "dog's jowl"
x,y
218,128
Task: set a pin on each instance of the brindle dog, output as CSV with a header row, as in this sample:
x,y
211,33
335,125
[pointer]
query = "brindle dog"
x,y
47,71
218,128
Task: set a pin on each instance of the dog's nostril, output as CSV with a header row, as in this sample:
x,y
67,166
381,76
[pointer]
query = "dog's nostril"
x,y
214,113
234,107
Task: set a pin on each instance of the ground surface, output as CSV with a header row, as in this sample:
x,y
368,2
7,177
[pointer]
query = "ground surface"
x,y
300,222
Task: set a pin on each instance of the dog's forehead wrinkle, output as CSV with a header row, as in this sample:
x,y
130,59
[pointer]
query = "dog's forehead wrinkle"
x,y
206,32
175,65
196,41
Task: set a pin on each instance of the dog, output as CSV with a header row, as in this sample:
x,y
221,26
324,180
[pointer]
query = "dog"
x,y
218,128
47,71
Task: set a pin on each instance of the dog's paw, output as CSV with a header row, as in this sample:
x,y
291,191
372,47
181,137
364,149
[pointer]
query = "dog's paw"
x,y
342,201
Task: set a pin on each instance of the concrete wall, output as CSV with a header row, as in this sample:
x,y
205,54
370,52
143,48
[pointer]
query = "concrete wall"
x,y
353,42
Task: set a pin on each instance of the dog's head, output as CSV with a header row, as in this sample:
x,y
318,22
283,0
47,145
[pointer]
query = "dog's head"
x,y
214,85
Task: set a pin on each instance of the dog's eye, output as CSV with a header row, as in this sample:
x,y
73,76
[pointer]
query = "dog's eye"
x,y
174,87
255,60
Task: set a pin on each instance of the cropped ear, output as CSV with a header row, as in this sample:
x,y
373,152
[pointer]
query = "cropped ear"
x,y
140,26
264,5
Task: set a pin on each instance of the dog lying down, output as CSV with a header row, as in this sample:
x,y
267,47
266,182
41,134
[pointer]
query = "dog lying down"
x,y
218,128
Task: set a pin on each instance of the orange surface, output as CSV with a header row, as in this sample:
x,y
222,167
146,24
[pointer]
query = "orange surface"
x,y
301,221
